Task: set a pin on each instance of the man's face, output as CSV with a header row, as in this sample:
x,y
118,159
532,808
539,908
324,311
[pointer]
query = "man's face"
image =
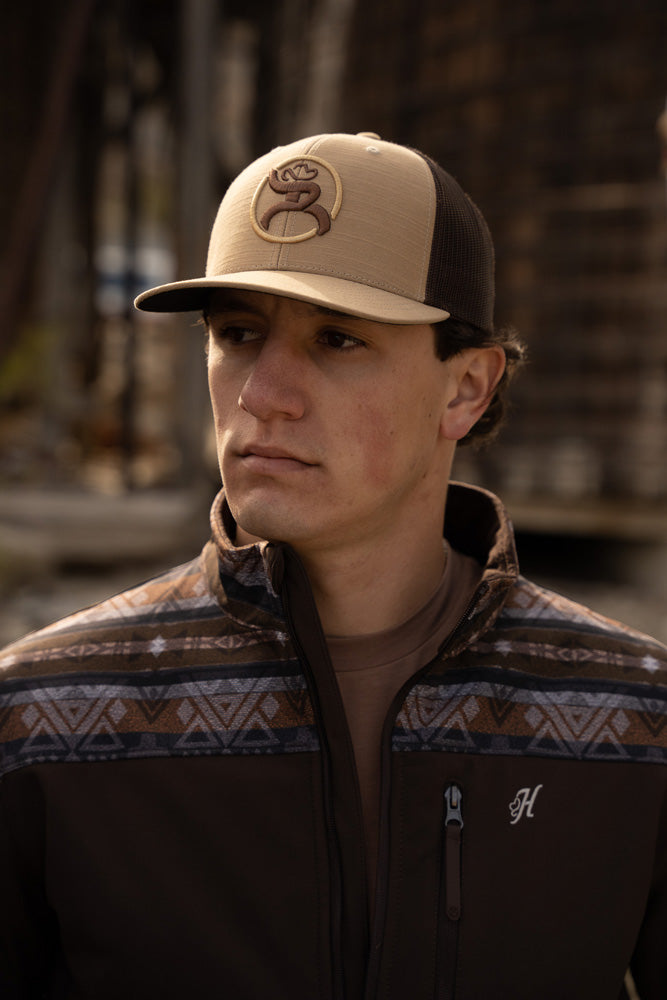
x,y
329,427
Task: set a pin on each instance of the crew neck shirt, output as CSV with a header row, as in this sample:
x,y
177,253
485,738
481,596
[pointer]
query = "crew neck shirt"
x,y
371,669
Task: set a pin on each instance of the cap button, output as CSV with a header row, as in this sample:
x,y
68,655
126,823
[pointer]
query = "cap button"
x,y
368,135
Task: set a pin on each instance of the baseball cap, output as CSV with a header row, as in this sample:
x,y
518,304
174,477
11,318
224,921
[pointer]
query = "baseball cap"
x,y
351,223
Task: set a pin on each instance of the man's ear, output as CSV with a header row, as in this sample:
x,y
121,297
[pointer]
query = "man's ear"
x,y
475,373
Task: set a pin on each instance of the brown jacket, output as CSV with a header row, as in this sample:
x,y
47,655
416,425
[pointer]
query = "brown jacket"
x,y
180,813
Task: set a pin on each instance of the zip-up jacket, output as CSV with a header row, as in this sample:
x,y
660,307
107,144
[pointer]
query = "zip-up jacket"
x,y
180,812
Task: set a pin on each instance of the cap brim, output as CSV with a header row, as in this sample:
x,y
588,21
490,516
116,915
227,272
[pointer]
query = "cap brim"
x,y
344,296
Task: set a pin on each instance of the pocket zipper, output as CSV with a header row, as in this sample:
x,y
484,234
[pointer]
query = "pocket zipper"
x,y
450,894
453,830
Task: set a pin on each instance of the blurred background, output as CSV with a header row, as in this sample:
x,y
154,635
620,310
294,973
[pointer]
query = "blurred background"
x,y
122,124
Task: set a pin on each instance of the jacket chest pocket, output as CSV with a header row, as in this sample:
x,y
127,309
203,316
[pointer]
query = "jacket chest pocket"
x,y
515,877
450,900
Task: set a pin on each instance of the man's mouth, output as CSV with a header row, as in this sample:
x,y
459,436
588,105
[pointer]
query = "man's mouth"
x,y
269,458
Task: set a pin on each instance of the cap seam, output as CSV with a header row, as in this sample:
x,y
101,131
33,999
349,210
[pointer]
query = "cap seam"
x,y
428,243
285,248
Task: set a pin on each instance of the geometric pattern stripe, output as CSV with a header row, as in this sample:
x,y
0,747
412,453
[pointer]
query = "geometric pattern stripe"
x,y
488,714
168,713
623,658
183,664
155,646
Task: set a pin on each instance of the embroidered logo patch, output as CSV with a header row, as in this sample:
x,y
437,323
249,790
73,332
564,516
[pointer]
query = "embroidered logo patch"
x,y
522,803
307,186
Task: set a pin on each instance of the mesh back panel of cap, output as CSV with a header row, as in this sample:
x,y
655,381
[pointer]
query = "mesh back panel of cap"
x,y
460,276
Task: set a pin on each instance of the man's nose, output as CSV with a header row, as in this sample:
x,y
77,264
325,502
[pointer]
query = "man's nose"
x,y
276,384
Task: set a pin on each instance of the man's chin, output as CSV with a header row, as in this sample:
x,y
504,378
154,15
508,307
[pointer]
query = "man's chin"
x,y
244,537
256,524
268,515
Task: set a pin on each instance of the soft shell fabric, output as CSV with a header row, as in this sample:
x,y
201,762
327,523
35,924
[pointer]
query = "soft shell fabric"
x,y
180,812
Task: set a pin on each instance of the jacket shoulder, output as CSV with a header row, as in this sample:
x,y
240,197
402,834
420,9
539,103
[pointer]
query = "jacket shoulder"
x,y
163,669
544,602
178,595
547,623
547,677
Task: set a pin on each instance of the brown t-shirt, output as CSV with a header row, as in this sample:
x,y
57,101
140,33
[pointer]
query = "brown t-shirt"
x,y
372,668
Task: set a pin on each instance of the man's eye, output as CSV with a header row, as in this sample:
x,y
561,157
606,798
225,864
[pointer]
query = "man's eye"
x,y
340,341
236,334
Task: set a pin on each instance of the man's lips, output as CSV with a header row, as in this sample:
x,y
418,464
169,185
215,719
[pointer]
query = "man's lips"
x,y
271,459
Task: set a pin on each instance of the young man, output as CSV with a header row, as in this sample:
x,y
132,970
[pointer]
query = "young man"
x,y
343,753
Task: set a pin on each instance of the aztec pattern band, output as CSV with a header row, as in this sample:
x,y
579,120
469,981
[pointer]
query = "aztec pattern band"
x,y
172,669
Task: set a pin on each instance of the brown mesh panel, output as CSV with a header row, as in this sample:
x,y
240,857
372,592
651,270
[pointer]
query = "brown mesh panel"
x,y
460,277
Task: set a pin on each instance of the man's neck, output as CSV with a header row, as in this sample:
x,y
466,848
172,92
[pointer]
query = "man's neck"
x,y
376,590
375,581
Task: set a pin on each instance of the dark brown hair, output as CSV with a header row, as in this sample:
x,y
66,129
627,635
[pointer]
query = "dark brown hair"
x,y
453,336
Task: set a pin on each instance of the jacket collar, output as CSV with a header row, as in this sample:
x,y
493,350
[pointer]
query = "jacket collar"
x,y
476,523
246,579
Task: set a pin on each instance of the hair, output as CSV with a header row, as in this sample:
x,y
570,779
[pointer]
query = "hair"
x,y
453,336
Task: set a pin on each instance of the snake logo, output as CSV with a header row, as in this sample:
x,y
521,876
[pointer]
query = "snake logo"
x,y
296,181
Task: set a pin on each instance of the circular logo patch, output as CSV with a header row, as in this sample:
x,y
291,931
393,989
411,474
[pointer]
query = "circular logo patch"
x,y
308,188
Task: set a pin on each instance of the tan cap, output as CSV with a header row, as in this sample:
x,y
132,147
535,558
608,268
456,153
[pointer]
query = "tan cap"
x,y
352,223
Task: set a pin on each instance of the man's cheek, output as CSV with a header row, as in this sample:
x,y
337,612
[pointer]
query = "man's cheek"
x,y
378,448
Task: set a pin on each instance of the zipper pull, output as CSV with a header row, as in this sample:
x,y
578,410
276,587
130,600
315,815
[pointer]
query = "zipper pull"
x,y
453,828
453,799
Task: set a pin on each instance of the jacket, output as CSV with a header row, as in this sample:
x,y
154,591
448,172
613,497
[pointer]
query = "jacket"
x,y
180,813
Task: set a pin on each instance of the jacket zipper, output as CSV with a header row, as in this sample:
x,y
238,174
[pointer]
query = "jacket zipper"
x,y
349,924
451,891
383,852
338,989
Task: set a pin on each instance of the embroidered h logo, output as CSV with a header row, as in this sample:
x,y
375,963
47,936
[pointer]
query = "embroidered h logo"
x,y
522,804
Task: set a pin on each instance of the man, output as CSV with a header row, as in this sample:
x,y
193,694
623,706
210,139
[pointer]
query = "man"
x,y
341,754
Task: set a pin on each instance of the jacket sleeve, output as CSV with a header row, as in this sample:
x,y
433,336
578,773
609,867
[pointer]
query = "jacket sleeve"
x,y
28,929
649,963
